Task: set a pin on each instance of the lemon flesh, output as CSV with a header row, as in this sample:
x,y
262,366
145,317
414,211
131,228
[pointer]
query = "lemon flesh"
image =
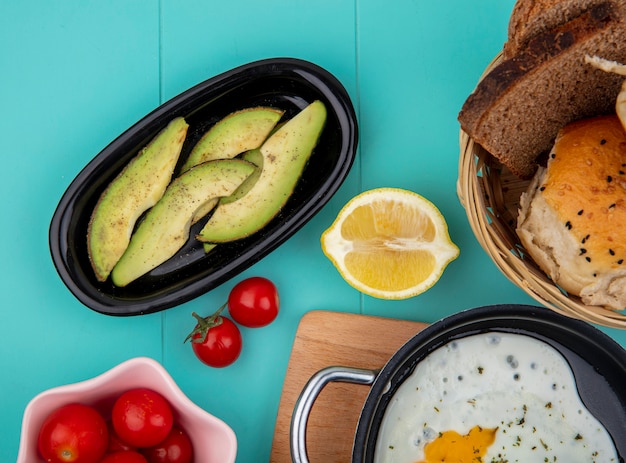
x,y
389,243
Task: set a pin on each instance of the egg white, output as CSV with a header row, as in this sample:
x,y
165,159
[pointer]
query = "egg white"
x,y
516,383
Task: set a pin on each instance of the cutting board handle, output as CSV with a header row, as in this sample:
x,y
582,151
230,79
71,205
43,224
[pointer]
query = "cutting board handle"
x,y
307,398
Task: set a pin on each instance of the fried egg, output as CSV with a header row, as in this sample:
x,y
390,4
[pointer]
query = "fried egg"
x,y
492,398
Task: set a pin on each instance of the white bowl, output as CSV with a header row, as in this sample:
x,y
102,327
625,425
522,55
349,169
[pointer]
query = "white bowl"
x,y
210,436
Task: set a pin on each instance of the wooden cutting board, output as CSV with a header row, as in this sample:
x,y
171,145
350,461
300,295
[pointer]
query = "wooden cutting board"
x,y
324,339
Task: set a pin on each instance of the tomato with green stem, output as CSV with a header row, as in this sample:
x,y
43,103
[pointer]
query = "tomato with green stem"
x,y
215,340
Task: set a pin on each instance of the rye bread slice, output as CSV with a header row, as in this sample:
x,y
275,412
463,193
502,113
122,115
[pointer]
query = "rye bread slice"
x,y
517,109
530,18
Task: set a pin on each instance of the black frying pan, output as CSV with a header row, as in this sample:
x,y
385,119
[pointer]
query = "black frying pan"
x,y
597,361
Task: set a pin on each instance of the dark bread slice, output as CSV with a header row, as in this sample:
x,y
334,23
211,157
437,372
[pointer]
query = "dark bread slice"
x,y
517,109
530,18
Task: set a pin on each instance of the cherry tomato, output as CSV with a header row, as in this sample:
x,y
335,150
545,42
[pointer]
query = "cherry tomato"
x,y
253,302
176,448
142,417
74,433
115,443
124,456
215,340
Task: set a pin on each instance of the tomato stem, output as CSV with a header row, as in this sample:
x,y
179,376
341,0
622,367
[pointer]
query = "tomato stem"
x,y
204,324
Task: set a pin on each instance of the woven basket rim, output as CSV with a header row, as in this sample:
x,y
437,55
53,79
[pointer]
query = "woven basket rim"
x,y
481,193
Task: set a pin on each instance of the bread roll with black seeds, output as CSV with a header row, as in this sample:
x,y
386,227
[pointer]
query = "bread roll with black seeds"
x,y
572,219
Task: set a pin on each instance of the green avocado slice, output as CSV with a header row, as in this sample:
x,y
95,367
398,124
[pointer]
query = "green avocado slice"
x,y
285,154
240,131
236,133
137,188
255,157
165,229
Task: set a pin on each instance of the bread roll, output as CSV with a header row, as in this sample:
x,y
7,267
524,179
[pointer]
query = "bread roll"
x,y
572,219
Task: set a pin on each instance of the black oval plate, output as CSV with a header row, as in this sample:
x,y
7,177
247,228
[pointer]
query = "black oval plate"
x,y
286,83
598,363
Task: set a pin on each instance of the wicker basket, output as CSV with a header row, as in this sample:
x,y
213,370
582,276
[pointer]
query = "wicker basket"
x,y
490,194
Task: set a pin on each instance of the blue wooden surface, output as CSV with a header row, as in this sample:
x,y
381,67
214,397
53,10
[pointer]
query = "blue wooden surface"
x,y
75,74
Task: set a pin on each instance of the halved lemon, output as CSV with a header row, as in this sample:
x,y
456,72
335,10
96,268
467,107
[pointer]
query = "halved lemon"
x,y
389,243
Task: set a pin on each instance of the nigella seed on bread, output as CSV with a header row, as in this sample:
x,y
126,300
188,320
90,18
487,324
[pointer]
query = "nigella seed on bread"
x,y
572,219
517,109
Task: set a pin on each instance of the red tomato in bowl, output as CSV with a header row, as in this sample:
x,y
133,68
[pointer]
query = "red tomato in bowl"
x,y
215,340
254,302
176,448
75,433
142,417
115,443
124,456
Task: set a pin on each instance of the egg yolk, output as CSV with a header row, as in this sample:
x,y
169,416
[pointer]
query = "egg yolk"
x,y
452,447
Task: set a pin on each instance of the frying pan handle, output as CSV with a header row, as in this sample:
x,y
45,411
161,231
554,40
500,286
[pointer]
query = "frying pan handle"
x,y
308,396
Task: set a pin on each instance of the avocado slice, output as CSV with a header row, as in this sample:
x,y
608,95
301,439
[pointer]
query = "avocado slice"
x,y
165,228
238,132
285,154
137,188
255,157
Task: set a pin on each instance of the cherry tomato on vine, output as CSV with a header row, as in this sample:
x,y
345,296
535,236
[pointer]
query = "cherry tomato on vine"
x,y
215,340
124,456
254,302
142,417
176,448
74,433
